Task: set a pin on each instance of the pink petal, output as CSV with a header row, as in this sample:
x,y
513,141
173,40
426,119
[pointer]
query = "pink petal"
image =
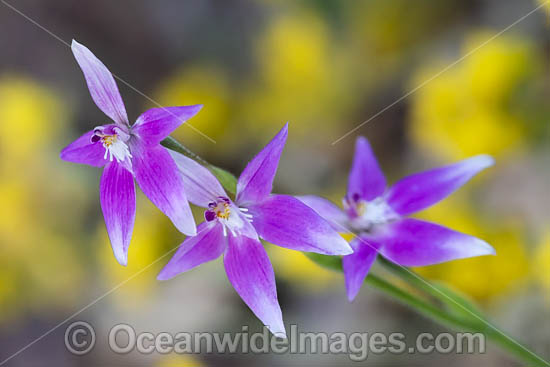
x,y
201,186
157,123
207,245
287,222
101,84
256,181
251,274
412,242
118,202
326,209
421,190
366,179
357,265
83,151
159,179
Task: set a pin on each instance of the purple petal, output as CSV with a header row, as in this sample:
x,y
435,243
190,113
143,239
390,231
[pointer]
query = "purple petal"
x,y
118,202
366,179
101,84
356,266
251,274
421,190
326,209
412,242
201,186
159,179
286,221
256,181
207,245
83,151
157,123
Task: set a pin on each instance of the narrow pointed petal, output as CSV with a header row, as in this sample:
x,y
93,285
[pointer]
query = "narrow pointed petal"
x,y
101,84
256,181
251,274
421,190
412,242
158,177
327,210
157,123
287,222
207,245
118,202
83,151
357,265
201,186
366,179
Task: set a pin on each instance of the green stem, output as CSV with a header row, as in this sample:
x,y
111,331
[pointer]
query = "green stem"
x,y
465,307
440,292
176,146
509,344
472,322
465,316
420,305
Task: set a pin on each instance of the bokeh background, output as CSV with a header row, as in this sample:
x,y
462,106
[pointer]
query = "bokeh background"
x,y
324,66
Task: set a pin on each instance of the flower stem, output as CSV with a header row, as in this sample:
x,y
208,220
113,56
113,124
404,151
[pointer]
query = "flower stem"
x,y
472,321
460,304
425,308
442,293
178,147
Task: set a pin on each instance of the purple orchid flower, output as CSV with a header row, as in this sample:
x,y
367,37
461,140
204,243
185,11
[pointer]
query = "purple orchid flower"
x,y
234,229
129,152
378,216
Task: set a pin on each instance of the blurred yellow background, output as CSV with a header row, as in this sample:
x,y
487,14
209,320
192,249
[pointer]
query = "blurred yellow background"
x,y
324,66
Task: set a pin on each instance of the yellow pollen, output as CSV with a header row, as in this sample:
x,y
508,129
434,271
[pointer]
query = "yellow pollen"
x,y
361,208
109,140
222,210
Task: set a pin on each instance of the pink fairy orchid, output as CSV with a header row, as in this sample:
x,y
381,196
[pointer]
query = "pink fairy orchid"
x,y
234,229
129,152
378,216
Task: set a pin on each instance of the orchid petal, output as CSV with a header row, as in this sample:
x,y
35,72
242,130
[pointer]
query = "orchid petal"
x,y
207,245
421,190
157,123
412,242
357,265
366,179
241,222
286,221
158,177
101,84
251,274
256,181
327,210
118,202
83,151
201,186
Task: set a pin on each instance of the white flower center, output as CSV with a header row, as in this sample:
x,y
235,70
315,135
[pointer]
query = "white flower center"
x,y
115,146
224,211
370,213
